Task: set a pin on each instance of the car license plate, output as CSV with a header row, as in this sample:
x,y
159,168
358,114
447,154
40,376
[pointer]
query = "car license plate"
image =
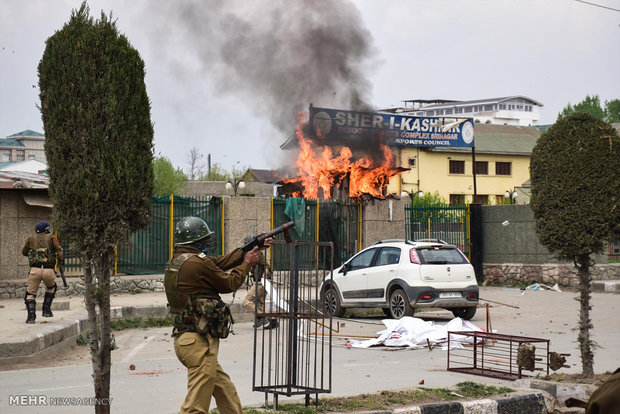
x,y
449,295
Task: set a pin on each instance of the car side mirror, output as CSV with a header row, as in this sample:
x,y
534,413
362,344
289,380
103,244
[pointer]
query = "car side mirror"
x,y
344,269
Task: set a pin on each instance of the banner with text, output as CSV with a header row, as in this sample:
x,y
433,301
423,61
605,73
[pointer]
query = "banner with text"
x,y
400,130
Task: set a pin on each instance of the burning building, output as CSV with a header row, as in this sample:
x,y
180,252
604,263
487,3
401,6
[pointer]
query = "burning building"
x,y
338,171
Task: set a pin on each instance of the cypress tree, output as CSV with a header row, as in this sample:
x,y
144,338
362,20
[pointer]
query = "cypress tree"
x,y
96,116
575,174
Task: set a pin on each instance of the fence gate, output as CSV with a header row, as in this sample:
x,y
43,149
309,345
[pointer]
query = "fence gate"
x,y
447,223
295,358
325,220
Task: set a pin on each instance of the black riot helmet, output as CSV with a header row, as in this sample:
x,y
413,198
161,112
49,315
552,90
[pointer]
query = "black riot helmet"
x,y
42,227
192,230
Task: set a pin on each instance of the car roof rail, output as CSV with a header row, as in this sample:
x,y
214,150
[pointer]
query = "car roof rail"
x,y
394,241
431,241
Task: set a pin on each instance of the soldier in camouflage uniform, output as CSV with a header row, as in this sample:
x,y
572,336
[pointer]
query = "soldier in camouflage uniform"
x,y
193,282
43,251
256,296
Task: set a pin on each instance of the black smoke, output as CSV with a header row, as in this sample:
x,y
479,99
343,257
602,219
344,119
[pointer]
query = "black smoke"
x,y
278,56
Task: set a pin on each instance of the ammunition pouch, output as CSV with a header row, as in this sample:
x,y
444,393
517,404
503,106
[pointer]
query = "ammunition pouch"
x,y
212,317
42,256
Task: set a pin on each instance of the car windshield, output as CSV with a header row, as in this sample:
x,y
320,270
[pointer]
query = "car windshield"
x,y
438,255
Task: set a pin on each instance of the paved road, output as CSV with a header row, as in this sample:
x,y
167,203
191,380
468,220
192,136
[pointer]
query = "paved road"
x,y
158,382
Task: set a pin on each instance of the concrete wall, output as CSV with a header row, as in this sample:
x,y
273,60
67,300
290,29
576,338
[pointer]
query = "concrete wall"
x,y
245,216
17,222
509,236
218,188
383,219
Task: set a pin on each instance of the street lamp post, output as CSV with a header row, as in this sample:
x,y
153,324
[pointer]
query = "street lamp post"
x,y
411,194
512,195
236,185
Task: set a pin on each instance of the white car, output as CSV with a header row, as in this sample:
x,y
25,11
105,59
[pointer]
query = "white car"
x,y
401,275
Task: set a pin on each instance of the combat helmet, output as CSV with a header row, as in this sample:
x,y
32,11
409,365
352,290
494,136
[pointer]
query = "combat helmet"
x,y
42,227
191,229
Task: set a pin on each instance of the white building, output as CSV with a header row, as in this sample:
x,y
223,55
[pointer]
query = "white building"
x,y
509,110
23,146
30,166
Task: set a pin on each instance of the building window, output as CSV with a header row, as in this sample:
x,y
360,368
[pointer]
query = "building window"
x,y
468,109
5,156
411,162
488,107
502,106
503,168
32,157
448,111
481,199
482,167
456,199
21,155
457,167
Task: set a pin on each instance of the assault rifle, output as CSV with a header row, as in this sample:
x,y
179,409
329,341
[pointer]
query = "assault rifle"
x,y
61,267
259,240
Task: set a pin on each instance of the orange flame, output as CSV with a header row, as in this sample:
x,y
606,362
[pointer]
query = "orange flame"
x,y
325,171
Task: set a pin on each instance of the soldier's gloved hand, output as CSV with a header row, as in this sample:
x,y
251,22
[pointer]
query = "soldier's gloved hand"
x,y
251,257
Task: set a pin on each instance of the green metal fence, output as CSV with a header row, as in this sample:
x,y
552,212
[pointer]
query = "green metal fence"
x,y
147,250
447,223
326,221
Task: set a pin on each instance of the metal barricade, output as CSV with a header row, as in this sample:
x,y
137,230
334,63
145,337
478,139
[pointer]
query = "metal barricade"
x,y
497,355
294,357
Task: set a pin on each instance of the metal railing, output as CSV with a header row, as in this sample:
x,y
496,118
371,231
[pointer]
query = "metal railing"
x,y
325,220
295,357
448,223
497,355
147,250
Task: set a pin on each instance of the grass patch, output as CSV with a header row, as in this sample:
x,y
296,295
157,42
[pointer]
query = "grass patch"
x,y
83,339
385,399
139,323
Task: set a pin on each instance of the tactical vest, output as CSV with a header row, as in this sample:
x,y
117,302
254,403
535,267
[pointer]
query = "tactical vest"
x,y
41,256
204,313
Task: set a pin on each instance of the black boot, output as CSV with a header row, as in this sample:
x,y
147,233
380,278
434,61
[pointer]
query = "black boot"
x,y
31,307
47,305
260,321
273,323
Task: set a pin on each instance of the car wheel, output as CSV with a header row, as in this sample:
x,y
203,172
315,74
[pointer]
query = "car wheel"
x,y
331,303
464,313
399,304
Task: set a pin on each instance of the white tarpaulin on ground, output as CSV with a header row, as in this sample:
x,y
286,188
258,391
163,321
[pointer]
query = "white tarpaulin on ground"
x,y
274,297
414,332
